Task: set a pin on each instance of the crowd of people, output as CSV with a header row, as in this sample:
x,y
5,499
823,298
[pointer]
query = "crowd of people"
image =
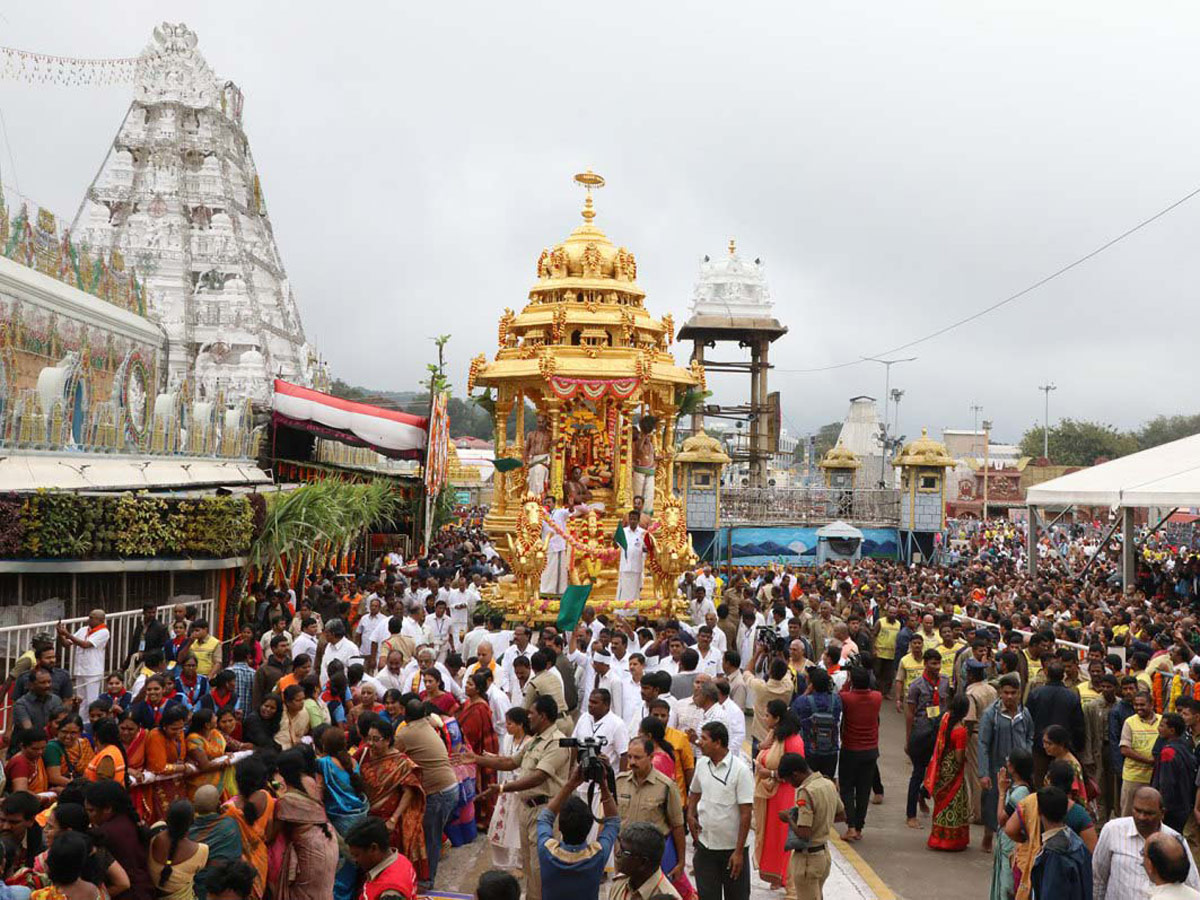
x,y
353,729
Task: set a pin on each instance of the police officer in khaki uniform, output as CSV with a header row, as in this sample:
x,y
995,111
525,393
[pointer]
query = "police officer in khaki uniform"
x,y
818,806
545,683
542,769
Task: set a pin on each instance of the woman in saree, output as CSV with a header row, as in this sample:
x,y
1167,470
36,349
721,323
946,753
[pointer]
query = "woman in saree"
x,y
318,714
946,782
664,753
116,823
260,727
108,760
392,784
435,693
231,730
475,720
67,756
175,858
504,834
1024,826
26,768
770,833
166,757
295,723
133,744
461,828
344,804
1056,741
310,848
206,751
253,809
1013,784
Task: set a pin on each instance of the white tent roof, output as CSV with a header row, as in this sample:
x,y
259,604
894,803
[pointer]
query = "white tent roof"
x,y
1165,476
22,472
839,530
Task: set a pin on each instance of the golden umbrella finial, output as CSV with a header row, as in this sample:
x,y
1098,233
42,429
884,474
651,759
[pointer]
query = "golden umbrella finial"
x,y
732,247
589,180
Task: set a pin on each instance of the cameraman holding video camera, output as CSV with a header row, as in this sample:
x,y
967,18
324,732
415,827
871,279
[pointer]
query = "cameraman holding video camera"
x,y
573,867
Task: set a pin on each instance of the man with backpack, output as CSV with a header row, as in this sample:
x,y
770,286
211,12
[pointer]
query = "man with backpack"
x,y
820,713
926,699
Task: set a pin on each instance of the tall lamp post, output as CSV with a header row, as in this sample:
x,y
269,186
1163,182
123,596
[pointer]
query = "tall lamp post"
x,y
887,392
987,440
1046,389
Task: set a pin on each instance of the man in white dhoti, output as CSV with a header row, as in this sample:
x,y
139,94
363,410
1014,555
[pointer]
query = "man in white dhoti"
x,y
554,576
633,559
537,458
644,460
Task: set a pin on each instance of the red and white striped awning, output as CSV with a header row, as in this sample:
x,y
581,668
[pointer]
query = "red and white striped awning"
x,y
395,434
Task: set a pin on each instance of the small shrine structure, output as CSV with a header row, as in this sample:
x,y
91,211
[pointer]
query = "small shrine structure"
x,y
596,366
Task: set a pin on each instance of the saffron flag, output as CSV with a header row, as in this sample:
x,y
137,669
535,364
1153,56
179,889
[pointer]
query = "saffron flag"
x,y
570,607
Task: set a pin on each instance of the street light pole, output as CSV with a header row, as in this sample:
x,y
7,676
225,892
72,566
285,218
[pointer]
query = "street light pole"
x,y
987,440
977,409
1046,389
887,388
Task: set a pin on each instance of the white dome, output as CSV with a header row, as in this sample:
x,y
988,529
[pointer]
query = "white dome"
x,y
731,286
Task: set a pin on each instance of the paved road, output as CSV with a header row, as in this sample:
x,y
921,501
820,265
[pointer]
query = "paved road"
x,y
897,853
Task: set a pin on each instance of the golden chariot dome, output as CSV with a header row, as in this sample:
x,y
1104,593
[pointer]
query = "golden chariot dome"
x,y
840,457
702,448
925,451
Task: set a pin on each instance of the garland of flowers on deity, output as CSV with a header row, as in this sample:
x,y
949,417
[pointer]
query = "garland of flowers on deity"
x,y
135,367
45,68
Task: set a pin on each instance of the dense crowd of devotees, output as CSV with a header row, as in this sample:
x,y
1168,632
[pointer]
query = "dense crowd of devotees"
x,y
355,728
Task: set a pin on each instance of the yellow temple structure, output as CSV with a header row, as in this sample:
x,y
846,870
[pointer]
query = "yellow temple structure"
x,y
593,362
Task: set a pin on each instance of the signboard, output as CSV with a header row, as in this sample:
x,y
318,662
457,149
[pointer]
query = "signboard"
x,y
462,498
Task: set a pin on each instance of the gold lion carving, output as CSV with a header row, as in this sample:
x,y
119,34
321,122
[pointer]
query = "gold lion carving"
x,y
673,552
527,551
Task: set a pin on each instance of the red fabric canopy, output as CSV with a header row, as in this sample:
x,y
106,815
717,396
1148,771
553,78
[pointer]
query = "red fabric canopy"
x,y
395,434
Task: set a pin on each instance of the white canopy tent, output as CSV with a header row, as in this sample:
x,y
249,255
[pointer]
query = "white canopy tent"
x,y
1167,477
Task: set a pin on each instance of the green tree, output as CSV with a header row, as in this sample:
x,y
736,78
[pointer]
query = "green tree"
x,y
827,436
1079,443
1164,429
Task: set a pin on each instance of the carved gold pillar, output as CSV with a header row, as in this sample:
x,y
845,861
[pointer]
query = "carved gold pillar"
x,y
625,488
668,448
553,408
500,479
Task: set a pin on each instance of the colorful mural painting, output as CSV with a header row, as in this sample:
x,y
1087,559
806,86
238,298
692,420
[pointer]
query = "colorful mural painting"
x,y
792,545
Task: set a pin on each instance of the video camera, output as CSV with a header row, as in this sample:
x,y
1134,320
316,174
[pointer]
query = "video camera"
x,y
768,637
587,753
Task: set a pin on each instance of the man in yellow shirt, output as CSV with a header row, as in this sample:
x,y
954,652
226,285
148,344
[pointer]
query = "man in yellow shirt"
x,y
912,664
1138,735
885,632
206,649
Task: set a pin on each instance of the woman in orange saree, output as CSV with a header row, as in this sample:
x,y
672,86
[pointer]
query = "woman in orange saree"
x,y
253,809
166,758
392,784
206,751
946,784
475,721
770,797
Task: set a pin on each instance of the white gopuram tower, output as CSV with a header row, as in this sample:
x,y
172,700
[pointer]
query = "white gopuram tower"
x,y
180,197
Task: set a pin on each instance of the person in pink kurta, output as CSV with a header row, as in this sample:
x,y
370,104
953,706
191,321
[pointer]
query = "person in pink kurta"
x,y
771,797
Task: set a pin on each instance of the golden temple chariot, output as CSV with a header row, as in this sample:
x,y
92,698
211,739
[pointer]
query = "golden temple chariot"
x,y
594,364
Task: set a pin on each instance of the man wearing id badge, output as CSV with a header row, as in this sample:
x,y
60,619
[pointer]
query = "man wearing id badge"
x,y
927,697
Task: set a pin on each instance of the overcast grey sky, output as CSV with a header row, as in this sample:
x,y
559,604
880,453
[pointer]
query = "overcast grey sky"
x,y
896,164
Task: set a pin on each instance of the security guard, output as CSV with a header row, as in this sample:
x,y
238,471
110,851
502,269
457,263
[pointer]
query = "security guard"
x,y
645,794
818,806
542,769
545,682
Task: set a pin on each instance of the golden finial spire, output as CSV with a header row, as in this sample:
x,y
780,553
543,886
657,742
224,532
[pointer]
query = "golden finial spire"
x,y
589,180
732,247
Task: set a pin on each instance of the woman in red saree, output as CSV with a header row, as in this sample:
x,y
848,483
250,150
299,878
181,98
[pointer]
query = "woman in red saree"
x,y
946,784
392,784
133,742
436,693
475,720
770,796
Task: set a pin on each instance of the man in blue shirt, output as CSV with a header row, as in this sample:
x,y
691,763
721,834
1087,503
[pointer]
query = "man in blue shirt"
x,y
572,867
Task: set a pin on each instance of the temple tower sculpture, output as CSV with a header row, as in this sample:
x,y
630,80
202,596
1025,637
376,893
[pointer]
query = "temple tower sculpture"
x,y
923,464
732,304
179,196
